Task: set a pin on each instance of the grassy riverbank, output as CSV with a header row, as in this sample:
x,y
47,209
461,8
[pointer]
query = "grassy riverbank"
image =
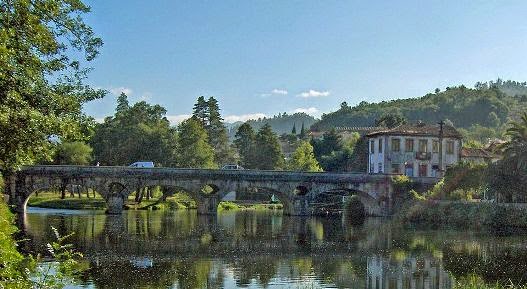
x,y
463,214
475,282
176,202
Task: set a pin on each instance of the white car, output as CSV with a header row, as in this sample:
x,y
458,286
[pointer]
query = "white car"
x,y
232,167
142,165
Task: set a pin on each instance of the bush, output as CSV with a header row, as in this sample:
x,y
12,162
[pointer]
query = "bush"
x,y
354,210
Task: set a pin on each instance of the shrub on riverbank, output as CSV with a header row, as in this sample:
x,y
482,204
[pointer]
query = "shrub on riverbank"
x,y
473,214
476,282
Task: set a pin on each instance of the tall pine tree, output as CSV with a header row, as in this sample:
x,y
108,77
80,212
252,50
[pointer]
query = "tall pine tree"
x,y
269,153
245,143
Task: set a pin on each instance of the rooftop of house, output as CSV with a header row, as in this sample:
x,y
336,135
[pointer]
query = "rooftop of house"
x,y
476,153
419,129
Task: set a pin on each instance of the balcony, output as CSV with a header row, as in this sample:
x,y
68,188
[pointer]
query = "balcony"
x,y
424,156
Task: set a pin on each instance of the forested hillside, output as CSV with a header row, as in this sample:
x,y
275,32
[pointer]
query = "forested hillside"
x,y
281,123
480,112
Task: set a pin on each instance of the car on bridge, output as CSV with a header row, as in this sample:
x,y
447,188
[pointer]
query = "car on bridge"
x,y
142,165
232,167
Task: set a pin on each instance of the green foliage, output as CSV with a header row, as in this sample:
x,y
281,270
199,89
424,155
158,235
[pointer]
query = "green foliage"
x,y
481,111
404,189
508,177
303,159
464,181
13,273
193,150
474,281
282,123
354,210
465,214
73,153
137,133
208,113
268,155
41,85
391,120
335,153
245,142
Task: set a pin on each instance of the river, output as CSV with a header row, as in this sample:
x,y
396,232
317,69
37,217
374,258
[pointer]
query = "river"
x,y
249,249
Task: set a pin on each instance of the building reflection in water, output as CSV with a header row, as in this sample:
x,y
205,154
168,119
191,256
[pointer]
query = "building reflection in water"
x,y
410,273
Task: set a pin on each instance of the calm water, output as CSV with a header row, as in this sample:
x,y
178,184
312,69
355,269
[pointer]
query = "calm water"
x,y
152,249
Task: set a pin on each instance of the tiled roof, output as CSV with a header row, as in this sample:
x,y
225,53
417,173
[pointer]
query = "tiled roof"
x,y
419,129
476,153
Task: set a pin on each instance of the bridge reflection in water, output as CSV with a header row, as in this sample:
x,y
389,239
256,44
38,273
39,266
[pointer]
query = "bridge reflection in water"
x,y
184,250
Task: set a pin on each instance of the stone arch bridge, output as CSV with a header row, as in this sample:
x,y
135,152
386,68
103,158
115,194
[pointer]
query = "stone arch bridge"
x,y
298,191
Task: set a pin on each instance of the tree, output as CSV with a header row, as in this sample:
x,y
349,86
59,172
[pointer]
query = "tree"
x,y
508,177
217,133
331,141
201,110
245,143
193,150
303,159
293,131
73,153
122,103
140,132
302,132
391,120
268,151
41,81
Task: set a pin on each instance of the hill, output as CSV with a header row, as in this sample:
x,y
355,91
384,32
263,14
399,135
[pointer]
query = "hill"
x,y
484,109
281,123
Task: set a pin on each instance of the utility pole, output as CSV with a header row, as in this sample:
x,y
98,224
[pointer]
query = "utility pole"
x,y
441,170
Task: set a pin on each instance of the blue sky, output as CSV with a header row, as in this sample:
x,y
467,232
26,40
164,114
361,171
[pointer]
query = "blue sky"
x,y
264,57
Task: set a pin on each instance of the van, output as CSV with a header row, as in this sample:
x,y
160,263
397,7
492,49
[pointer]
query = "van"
x,y
142,165
232,167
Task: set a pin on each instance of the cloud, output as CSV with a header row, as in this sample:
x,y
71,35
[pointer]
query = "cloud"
x,y
309,110
118,90
279,91
243,117
313,93
177,119
276,91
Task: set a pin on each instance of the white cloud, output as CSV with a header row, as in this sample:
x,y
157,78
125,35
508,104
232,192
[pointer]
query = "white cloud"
x,y
313,93
276,91
177,119
279,91
118,90
308,110
243,117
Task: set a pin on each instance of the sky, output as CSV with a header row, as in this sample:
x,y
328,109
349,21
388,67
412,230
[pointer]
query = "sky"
x,y
261,58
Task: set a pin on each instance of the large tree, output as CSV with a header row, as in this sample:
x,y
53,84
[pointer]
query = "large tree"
x,y
245,143
303,159
193,150
268,151
42,77
73,153
137,133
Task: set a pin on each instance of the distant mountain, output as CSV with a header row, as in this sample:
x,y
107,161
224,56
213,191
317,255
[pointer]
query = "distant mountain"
x,y
281,123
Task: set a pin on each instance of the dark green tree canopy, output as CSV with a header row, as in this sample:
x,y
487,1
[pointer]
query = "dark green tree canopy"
x,y
269,153
41,86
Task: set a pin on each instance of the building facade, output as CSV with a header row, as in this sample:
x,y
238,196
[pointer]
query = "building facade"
x,y
418,150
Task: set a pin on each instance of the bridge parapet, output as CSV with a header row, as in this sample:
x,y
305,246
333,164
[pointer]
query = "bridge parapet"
x,y
296,190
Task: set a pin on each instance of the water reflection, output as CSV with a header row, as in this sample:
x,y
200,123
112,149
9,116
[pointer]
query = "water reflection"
x,y
152,249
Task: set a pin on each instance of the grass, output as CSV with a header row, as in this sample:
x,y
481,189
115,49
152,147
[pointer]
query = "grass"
x,y
231,206
476,282
178,201
462,214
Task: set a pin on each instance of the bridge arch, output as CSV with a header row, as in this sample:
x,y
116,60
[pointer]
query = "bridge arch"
x,y
331,201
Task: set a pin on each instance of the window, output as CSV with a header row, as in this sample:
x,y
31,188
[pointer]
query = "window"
x,y
435,146
396,145
423,145
396,168
409,145
380,145
450,147
372,146
423,170
379,165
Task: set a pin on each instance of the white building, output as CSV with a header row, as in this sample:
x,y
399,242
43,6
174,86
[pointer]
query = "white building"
x,y
413,150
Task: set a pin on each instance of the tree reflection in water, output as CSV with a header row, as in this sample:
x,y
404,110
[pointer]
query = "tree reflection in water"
x,y
152,249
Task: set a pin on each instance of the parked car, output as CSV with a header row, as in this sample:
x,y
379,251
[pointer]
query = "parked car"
x,y
232,167
142,165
